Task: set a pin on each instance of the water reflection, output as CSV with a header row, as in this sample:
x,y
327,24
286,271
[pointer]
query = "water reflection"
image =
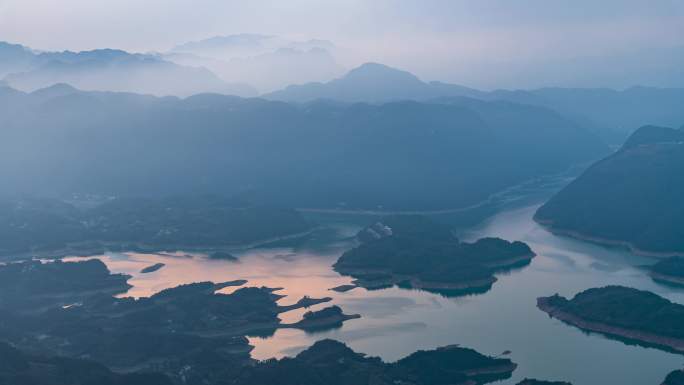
x,y
397,322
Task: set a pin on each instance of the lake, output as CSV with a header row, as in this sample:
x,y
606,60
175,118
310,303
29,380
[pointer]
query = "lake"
x,y
395,322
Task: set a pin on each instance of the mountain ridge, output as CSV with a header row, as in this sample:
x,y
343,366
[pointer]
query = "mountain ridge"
x,y
109,70
354,156
610,113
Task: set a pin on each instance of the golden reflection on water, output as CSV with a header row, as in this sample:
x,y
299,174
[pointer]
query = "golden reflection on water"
x,y
276,268
298,272
396,322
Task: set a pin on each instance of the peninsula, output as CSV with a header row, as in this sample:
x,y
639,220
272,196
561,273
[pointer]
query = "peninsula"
x,y
622,312
632,198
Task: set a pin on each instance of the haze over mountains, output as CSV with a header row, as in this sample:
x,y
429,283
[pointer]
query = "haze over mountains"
x,y
401,155
319,145
185,203
234,65
374,138
265,61
242,64
464,143
245,45
602,110
108,69
371,82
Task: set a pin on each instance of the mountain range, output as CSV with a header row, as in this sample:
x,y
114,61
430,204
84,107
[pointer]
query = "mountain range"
x,y
265,61
227,64
399,155
270,70
610,113
109,70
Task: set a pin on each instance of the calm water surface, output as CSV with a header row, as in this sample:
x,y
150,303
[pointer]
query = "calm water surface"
x,y
396,322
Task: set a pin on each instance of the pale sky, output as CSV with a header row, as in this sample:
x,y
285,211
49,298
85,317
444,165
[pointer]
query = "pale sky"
x,y
485,43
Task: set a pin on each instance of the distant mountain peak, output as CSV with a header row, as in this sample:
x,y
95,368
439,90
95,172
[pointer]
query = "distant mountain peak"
x,y
61,88
371,66
382,71
369,82
57,90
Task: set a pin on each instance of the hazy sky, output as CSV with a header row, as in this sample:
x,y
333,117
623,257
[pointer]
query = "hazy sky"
x,y
485,43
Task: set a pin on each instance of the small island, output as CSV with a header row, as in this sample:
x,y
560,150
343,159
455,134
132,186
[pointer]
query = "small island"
x,y
329,318
668,271
152,268
223,255
628,314
343,288
414,252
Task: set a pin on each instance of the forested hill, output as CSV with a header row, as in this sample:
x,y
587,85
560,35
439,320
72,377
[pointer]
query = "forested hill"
x,y
634,196
401,155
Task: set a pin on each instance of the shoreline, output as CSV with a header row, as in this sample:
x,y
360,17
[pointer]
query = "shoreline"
x,y
668,343
511,262
417,283
125,247
548,225
500,369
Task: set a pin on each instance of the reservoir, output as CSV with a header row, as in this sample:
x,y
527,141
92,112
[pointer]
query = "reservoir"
x,y
396,322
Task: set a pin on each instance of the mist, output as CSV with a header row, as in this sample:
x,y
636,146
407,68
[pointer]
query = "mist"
x,y
483,44
341,192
